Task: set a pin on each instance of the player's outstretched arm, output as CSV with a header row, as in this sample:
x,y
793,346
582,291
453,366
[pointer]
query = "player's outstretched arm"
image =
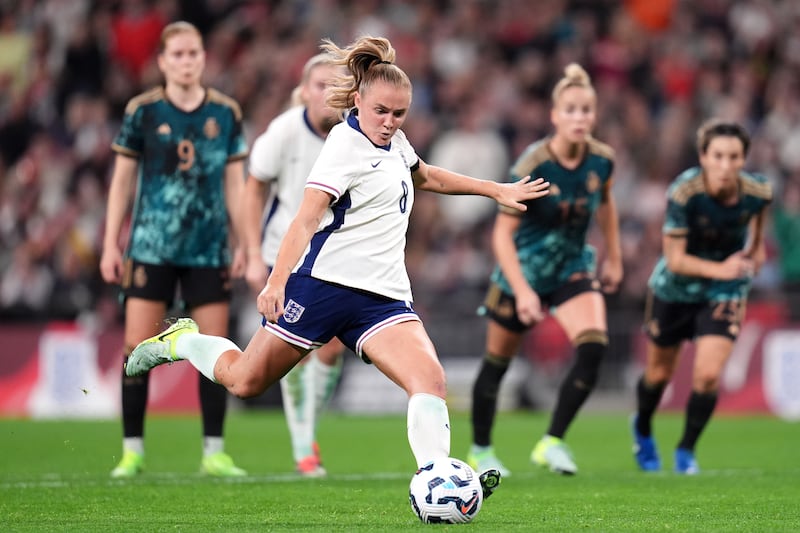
x,y
443,181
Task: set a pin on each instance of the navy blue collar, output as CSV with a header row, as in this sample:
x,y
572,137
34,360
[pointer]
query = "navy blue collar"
x,y
309,126
352,121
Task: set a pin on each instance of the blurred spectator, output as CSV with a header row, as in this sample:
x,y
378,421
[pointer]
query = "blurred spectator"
x,y
68,68
135,33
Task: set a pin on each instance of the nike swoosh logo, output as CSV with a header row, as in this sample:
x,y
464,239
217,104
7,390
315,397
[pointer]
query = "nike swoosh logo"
x,y
467,506
375,165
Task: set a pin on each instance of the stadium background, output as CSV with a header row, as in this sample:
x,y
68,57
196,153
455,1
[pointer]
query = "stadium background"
x,y
482,73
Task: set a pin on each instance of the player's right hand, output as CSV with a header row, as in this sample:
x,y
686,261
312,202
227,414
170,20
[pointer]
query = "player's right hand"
x,y
270,301
111,264
529,307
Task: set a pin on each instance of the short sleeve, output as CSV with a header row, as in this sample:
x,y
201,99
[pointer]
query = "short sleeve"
x,y
336,167
130,141
265,158
676,221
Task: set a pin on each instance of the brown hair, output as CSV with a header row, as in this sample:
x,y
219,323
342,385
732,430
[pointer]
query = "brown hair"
x,y
170,30
715,127
368,59
574,76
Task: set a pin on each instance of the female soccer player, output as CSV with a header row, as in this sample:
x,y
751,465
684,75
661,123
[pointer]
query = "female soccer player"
x,y
340,269
281,160
713,245
544,262
184,144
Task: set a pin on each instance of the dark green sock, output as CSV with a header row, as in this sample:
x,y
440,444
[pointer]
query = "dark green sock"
x,y
698,413
484,397
647,399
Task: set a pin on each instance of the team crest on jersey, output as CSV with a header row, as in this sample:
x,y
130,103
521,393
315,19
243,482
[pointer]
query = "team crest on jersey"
x,y
293,311
554,189
164,129
592,182
211,128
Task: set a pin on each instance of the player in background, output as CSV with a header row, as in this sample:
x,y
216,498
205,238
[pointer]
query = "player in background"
x,y
544,263
713,245
340,270
181,147
280,162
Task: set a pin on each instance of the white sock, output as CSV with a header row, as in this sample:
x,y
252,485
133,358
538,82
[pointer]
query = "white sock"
x,y
203,351
428,428
298,405
325,377
133,444
212,445
475,449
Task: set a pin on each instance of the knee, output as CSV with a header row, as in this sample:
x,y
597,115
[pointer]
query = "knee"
x,y
430,380
248,387
705,382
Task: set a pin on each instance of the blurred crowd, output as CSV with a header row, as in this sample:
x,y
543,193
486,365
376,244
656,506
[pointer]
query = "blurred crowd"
x,y
482,72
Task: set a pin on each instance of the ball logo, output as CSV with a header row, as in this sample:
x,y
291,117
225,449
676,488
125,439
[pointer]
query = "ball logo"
x,y
293,312
445,490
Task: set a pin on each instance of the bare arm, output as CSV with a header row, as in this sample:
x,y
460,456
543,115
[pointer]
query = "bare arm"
x,y
756,249
443,181
305,224
255,195
529,307
234,186
119,195
608,220
679,262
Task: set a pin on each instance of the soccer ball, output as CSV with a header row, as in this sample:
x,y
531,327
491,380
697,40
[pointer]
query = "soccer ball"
x,y
447,491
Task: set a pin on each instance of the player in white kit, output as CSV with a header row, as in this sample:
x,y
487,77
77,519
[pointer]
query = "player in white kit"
x,y
280,162
340,270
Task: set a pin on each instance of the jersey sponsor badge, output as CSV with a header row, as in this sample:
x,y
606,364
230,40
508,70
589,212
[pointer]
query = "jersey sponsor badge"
x,y
293,311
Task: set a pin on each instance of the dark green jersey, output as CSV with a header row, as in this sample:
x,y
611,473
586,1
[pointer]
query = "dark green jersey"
x,y
179,216
713,231
551,239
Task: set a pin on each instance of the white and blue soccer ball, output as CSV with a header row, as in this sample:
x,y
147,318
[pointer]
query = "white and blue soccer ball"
x,y
447,491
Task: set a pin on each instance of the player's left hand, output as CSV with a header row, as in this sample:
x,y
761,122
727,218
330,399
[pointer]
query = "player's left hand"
x,y
758,256
513,194
610,276
238,263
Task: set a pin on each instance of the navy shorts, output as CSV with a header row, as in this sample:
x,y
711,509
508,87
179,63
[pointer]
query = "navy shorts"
x,y
670,323
316,311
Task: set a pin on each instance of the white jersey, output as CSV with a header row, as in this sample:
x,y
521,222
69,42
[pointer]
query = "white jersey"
x,y
283,156
361,240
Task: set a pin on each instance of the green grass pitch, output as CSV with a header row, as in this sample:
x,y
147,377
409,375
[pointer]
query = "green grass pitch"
x,y
54,477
